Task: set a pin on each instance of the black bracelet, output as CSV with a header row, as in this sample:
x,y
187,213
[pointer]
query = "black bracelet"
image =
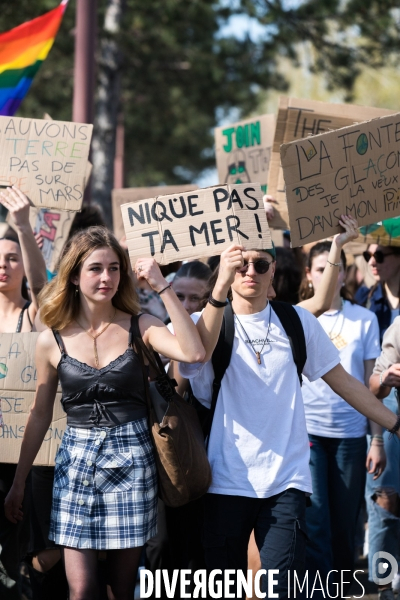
x,y
216,303
163,290
395,428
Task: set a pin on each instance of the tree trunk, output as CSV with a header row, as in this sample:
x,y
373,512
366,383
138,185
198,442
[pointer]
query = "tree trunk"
x,y
107,107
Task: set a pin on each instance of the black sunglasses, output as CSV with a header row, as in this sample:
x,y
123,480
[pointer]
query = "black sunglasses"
x,y
379,256
260,266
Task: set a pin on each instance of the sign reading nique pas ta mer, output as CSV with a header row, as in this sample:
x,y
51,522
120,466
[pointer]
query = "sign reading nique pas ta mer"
x,y
354,170
196,223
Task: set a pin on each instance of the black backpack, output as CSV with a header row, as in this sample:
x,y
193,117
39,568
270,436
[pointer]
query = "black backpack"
x,y
223,351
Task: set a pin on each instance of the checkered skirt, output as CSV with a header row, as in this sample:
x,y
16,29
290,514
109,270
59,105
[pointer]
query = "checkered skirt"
x,y
105,488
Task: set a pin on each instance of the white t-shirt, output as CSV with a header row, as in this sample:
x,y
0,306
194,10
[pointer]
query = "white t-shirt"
x,y
355,333
258,444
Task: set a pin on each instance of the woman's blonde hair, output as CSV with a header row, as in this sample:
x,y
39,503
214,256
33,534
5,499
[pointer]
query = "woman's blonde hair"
x,y
58,301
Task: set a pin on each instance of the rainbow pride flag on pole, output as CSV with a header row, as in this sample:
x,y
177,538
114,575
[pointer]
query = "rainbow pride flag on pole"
x,y
22,51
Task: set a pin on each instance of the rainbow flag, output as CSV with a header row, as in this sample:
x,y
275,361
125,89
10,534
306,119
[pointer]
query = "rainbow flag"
x,y
22,51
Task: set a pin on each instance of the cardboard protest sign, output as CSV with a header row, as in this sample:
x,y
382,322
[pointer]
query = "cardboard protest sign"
x,y
199,223
298,118
125,195
354,170
17,392
54,226
46,159
243,150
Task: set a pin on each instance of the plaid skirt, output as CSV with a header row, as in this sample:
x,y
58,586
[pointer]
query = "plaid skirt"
x,y
105,488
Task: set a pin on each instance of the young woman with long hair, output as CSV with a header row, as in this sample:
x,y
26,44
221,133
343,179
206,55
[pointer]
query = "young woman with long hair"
x,y
105,493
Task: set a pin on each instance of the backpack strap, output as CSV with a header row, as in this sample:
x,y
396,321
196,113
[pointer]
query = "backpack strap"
x,y
220,360
293,327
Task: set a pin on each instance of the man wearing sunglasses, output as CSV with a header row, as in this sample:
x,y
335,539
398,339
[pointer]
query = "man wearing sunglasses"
x,y
382,495
258,446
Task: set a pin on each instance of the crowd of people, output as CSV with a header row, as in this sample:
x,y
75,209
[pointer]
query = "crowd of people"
x,y
304,426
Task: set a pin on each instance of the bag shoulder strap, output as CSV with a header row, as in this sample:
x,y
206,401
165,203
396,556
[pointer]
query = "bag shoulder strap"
x,y
293,327
220,361
59,341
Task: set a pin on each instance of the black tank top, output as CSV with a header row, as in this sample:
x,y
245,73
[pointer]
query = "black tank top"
x,y
104,397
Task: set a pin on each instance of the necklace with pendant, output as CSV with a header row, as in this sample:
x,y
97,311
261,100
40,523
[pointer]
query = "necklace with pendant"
x,y
265,341
94,338
340,312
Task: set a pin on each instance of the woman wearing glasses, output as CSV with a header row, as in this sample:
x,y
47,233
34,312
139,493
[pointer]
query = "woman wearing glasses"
x,y
382,496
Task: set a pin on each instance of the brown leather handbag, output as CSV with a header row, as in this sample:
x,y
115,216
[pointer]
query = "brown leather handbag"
x,y
184,473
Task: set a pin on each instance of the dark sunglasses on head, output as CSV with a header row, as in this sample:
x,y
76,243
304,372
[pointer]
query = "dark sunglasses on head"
x,y
379,256
260,266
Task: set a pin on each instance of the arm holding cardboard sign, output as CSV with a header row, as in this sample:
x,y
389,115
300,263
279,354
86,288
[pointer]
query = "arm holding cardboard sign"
x,y
38,422
185,345
322,299
35,268
210,322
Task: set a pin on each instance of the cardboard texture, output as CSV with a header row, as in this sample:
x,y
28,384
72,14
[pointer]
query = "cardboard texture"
x,y
46,159
354,170
298,118
54,226
125,195
17,392
243,150
199,223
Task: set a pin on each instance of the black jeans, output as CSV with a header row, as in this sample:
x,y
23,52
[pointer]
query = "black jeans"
x,y
280,533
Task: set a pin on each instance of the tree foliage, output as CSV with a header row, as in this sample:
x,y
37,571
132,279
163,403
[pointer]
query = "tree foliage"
x,y
346,34
179,73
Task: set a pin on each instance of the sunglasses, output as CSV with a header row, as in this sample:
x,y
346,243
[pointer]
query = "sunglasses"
x,y
379,256
260,266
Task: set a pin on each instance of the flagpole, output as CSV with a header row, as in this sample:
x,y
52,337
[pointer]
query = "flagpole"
x,y
84,67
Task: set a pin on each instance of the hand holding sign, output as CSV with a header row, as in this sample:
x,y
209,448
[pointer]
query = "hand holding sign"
x,y
350,232
148,269
18,206
231,259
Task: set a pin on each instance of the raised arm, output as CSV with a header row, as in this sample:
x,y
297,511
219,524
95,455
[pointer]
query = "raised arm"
x,y
185,345
18,206
37,425
322,299
210,322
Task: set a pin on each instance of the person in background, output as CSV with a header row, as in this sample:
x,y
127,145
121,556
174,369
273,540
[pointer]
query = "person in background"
x,y
177,544
190,284
337,431
22,276
382,496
